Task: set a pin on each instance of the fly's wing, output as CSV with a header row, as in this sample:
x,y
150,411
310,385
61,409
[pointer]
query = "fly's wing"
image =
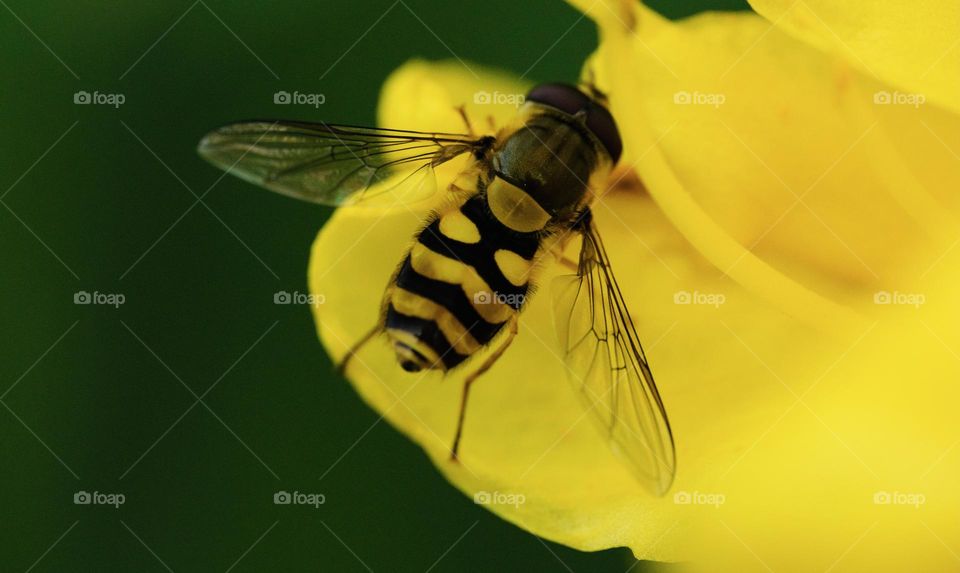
x,y
608,368
327,164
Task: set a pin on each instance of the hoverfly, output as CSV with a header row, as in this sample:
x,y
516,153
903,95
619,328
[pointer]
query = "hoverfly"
x,y
525,193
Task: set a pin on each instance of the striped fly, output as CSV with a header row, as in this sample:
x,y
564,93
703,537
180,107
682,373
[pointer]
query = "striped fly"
x,y
524,194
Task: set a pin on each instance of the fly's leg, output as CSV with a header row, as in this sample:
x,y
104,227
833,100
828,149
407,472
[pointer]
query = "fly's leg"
x,y
569,264
491,121
342,366
490,361
462,110
556,249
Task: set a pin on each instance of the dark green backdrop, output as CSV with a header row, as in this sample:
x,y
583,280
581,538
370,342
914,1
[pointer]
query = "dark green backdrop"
x,y
96,398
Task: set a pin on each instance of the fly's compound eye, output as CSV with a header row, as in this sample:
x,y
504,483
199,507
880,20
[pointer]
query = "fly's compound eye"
x,y
564,97
571,100
601,123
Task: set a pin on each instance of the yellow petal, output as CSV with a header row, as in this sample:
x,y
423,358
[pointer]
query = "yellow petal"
x,y
424,96
526,435
730,372
913,46
875,230
742,133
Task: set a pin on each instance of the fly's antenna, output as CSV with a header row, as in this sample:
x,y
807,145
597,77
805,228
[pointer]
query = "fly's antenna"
x,y
589,86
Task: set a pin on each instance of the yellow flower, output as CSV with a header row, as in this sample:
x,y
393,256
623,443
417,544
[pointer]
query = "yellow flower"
x,y
789,261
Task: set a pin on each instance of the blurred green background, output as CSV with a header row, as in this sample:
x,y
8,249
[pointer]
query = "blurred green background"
x,y
100,199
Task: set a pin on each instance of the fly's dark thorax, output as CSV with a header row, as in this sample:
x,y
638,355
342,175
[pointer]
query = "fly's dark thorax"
x,y
551,158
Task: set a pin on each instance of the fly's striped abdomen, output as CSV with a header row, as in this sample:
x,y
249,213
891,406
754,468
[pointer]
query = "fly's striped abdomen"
x,y
464,278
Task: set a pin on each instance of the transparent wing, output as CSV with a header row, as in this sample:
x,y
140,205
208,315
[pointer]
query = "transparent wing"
x,y
607,365
327,164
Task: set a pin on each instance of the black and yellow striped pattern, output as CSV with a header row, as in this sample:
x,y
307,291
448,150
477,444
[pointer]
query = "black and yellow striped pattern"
x,y
465,277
